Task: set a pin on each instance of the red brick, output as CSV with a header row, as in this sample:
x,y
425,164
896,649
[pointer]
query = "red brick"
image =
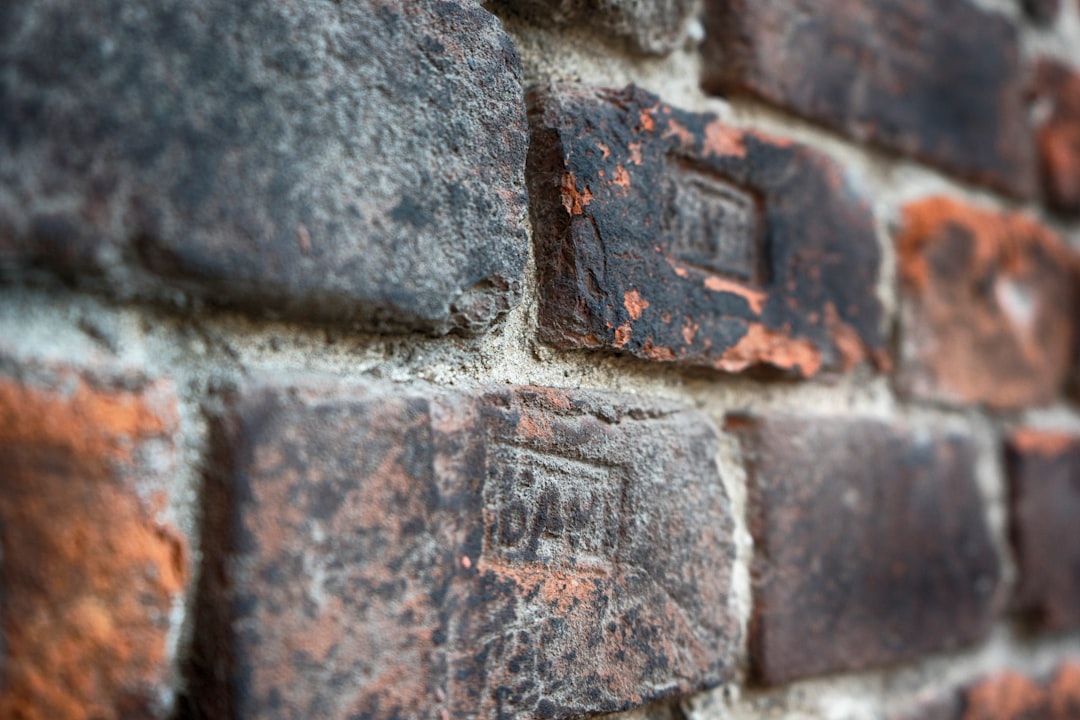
x,y
89,573
871,545
404,551
1044,477
1006,696
1056,91
987,300
942,82
671,237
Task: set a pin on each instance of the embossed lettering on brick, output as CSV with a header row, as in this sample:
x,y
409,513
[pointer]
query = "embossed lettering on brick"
x,y
90,574
673,238
986,303
403,550
942,82
1044,477
871,544
354,162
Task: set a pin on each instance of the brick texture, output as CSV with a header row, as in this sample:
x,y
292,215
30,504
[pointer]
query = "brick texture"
x,y
396,551
674,238
1044,477
870,545
1056,92
939,81
653,27
89,575
288,158
1008,695
987,301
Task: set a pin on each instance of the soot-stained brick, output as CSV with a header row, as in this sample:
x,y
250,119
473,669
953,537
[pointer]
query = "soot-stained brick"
x,y
653,27
90,574
359,162
1056,96
986,306
674,238
942,82
405,551
1044,478
871,544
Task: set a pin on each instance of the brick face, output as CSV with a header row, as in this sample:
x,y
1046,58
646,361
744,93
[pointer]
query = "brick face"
x,y
674,238
89,575
939,81
1044,476
1056,92
254,155
548,553
987,300
872,552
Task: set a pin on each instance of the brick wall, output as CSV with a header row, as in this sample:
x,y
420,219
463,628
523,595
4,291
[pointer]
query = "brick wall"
x,y
542,358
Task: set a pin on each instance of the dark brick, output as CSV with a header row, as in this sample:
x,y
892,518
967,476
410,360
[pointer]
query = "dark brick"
x,y
1056,93
986,306
406,551
358,162
674,238
1043,12
871,545
942,82
1044,476
653,27
89,574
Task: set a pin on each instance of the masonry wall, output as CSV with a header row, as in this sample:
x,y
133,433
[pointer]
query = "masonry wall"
x,y
389,359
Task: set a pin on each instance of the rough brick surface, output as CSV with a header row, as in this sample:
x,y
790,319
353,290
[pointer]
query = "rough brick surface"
x,y
88,576
674,238
987,301
403,552
870,545
653,27
940,81
1044,469
1056,91
356,161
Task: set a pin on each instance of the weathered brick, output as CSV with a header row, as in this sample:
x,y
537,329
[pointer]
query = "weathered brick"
x,y
406,551
1056,93
89,574
654,27
672,237
359,162
1044,477
871,544
986,306
942,82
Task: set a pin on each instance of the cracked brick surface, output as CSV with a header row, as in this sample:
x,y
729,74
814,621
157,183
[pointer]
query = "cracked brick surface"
x,y
674,238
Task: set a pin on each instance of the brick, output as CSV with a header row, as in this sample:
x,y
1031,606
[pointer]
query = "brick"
x,y
359,163
652,27
1008,695
942,82
874,550
986,300
1044,480
89,574
1043,12
404,551
1056,94
671,237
